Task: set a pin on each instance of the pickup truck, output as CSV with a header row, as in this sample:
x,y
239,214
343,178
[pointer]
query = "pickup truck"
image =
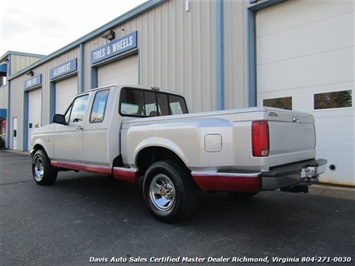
x,y
130,132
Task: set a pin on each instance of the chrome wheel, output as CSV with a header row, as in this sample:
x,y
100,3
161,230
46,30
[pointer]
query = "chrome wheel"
x,y
38,169
169,191
42,170
162,193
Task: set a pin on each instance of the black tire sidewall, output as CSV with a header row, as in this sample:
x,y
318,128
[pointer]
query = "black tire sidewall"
x,y
185,191
50,173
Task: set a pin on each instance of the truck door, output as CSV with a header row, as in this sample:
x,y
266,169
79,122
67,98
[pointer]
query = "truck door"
x,y
68,139
96,138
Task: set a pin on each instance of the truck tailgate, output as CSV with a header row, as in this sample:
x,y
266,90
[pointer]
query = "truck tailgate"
x,y
292,136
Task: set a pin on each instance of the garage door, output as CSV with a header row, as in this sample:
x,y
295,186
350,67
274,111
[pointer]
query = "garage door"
x,y
305,62
65,90
124,71
34,112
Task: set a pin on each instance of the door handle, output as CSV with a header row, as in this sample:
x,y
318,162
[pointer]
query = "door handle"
x,y
79,128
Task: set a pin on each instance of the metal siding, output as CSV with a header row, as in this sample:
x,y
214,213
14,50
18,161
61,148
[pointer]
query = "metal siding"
x,y
17,109
177,50
235,65
3,97
18,62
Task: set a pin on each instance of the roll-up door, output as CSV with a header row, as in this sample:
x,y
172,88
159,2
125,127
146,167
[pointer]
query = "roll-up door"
x,y
305,56
65,90
34,112
124,71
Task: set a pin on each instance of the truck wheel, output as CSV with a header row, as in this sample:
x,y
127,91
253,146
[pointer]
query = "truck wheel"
x,y
42,170
169,191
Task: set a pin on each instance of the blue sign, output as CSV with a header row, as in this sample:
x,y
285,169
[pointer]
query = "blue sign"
x,y
64,69
33,82
119,46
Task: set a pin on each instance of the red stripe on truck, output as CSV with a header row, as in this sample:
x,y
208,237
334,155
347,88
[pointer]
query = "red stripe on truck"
x,y
228,182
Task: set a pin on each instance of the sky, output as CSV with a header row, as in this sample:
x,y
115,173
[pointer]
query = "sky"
x,y
45,26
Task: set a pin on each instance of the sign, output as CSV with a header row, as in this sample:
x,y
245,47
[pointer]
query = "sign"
x,y
33,82
64,69
119,46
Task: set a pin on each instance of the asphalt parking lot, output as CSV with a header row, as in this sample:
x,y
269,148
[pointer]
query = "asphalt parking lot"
x,y
86,219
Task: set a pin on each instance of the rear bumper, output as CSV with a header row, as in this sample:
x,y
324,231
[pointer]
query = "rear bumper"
x,y
298,174
288,176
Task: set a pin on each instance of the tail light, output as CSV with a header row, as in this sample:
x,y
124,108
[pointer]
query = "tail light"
x,y
260,138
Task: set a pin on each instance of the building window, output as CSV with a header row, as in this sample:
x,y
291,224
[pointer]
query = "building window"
x,y
330,100
283,103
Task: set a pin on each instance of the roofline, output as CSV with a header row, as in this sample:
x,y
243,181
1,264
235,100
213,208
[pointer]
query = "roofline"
x,y
3,57
135,12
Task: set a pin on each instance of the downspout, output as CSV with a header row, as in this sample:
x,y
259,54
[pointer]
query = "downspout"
x,y
8,123
251,58
220,54
82,68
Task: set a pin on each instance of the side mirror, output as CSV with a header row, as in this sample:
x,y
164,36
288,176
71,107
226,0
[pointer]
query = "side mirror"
x,y
59,119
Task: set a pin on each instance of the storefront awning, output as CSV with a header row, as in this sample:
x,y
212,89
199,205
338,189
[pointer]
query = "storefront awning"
x,y
2,113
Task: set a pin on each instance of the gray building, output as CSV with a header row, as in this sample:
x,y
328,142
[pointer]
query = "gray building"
x,y
295,54
10,64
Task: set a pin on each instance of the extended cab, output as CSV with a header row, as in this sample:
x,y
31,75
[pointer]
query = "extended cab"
x,y
132,131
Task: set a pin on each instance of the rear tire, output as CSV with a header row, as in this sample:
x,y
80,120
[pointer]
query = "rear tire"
x,y
42,170
169,191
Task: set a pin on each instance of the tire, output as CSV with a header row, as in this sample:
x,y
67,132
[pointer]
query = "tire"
x,y
242,195
169,191
42,170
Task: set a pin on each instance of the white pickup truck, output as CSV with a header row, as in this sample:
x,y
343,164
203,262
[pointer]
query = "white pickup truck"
x,y
132,131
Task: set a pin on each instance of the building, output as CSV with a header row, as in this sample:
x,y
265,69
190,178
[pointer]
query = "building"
x,y
295,54
11,63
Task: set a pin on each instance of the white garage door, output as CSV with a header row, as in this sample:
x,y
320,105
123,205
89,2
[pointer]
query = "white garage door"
x,y
34,112
124,71
65,90
305,61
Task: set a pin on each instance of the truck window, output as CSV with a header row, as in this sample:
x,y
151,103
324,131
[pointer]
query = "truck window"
x,y
177,105
143,103
131,102
99,106
76,111
150,104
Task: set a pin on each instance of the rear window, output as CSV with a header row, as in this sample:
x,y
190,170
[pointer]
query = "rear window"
x,y
143,103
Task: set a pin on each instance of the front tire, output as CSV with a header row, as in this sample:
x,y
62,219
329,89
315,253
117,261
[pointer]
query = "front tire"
x,y
169,191
42,170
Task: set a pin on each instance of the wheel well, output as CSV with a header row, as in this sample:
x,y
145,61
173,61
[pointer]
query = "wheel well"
x,y
38,147
148,156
